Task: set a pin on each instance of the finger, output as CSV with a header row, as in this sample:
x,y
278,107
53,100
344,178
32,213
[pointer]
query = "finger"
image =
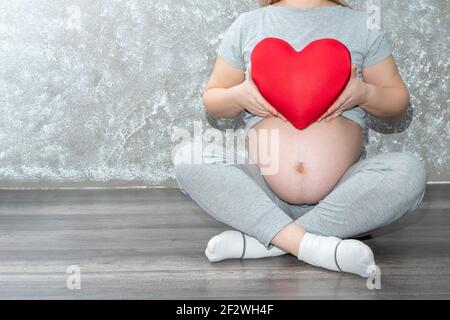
x,y
266,105
250,77
259,109
270,108
334,116
274,112
282,117
346,106
331,110
263,103
259,112
262,112
323,116
254,108
336,107
349,104
343,99
354,70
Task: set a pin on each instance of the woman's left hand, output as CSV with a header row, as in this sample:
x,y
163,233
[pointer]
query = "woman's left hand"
x,y
353,95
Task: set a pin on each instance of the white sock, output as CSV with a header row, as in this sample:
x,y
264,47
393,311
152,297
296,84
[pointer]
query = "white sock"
x,y
231,245
332,253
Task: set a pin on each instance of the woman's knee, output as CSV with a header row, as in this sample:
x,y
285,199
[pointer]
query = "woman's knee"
x,y
417,180
183,163
414,170
185,154
194,164
411,176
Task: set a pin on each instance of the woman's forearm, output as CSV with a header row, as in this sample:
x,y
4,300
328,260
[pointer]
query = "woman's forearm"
x,y
381,102
221,103
385,102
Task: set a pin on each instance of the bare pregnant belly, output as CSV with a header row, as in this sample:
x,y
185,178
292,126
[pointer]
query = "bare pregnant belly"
x,y
304,166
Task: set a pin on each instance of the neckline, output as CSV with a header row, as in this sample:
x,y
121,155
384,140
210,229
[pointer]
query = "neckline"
x,y
306,10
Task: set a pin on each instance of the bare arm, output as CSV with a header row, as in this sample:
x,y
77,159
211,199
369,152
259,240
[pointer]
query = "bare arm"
x,y
387,95
228,93
218,97
382,92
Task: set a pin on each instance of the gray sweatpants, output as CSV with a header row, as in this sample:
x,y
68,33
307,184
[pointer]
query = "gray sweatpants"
x,y
373,193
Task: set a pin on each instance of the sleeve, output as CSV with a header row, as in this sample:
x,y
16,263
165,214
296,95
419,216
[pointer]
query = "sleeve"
x,y
378,47
231,46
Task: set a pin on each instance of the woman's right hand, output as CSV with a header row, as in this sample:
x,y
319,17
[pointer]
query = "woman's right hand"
x,y
249,98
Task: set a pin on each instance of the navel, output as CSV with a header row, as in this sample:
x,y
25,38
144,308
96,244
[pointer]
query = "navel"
x,y
301,167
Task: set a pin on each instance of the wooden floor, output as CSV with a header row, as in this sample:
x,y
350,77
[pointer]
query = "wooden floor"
x,y
148,244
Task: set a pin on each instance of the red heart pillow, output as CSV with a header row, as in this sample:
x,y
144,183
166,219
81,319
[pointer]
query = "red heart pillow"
x,y
303,85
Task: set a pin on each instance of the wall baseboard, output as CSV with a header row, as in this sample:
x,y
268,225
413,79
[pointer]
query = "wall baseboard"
x,y
438,182
140,187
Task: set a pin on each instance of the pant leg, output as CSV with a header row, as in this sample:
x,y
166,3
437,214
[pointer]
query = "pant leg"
x,y
373,193
228,193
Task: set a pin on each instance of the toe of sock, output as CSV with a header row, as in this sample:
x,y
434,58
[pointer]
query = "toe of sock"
x,y
210,250
211,245
372,270
367,265
357,258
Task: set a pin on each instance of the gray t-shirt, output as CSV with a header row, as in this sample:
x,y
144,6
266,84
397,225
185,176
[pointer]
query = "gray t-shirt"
x,y
299,27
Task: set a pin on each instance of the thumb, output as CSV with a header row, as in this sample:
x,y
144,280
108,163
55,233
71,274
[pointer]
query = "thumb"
x,y
354,70
250,77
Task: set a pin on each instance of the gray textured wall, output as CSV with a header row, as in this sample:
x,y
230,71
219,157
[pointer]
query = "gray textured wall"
x,y
93,101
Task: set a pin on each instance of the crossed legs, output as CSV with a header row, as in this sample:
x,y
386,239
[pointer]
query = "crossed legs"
x,y
373,193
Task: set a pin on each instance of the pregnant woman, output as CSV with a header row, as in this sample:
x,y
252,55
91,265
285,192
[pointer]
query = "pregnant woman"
x,y
323,192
